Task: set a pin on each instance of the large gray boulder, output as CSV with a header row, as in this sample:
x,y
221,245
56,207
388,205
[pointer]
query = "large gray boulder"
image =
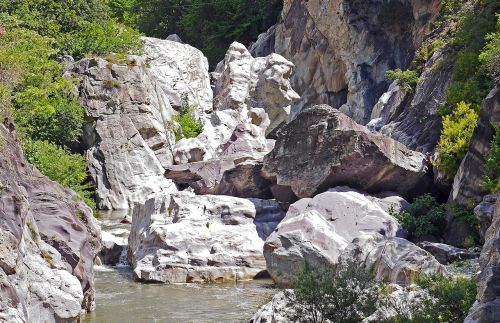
x,y
344,224
183,238
341,49
486,309
126,132
48,242
322,148
237,171
179,69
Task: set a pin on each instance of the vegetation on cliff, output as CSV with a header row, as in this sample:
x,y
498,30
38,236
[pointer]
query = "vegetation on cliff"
x,y
48,114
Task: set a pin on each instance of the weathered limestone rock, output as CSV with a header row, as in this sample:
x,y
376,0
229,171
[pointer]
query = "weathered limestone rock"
x,y
251,93
183,238
486,309
342,48
447,254
469,178
48,242
126,135
178,69
343,223
322,148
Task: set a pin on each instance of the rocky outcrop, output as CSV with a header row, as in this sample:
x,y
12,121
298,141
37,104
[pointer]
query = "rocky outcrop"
x,y
48,242
322,148
414,118
278,310
344,223
484,213
469,178
254,94
342,48
486,309
126,131
183,238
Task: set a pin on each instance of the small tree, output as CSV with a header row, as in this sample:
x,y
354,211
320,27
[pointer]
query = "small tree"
x,y
343,293
454,141
492,176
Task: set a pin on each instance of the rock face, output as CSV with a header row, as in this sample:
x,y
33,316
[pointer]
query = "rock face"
x,y
179,69
343,223
278,310
322,148
125,132
469,178
486,309
413,118
342,48
183,238
48,242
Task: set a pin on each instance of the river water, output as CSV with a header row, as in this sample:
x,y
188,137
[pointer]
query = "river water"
x,y
119,299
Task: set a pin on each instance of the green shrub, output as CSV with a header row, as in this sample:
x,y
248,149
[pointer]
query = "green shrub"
x,y
69,170
187,124
406,79
424,217
490,55
99,39
492,176
453,297
455,136
448,300
343,293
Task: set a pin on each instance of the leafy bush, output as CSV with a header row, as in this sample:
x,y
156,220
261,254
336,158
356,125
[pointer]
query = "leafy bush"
x,y
424,217
187,124
447,300
343,293
492,176
103,38
490,55
455,136
407,80
69,170
45,107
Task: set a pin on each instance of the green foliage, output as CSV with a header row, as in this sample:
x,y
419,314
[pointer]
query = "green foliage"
x,y
187,124
492,176
45,107
471,82
490,55
424,217
69,170
469,85
213,25
77,27
406,79
158,18
43,104
103,38
343,293
453,297
455,136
